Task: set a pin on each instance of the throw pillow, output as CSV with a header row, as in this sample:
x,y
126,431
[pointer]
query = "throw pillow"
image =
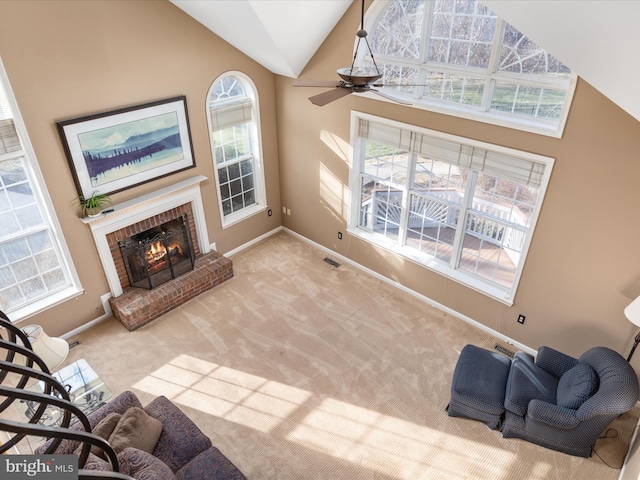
x,y
104,429
136,429
576,386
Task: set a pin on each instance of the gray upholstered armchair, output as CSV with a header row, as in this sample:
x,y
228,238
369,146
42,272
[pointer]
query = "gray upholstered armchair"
x,y
564,403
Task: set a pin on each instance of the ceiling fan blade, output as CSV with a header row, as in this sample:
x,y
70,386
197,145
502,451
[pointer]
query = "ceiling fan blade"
x,y
328,97
391,97
316,83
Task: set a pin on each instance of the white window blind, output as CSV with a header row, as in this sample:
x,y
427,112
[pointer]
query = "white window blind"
x,y
9,141
519,170
231,115
464,208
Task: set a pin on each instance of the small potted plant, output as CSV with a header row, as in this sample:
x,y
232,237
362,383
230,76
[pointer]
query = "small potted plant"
x,y
92,206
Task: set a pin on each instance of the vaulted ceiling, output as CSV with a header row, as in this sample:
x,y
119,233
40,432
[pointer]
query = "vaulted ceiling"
x,y
595,38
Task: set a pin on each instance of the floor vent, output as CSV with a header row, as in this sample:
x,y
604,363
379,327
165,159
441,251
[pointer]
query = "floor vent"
x,y
333,263
504,351
73,344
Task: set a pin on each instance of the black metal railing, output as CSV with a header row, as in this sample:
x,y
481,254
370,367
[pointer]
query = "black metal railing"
x,y
31,368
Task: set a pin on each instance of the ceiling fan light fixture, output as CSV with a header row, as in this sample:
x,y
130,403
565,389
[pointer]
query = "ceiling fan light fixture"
x,y
359,76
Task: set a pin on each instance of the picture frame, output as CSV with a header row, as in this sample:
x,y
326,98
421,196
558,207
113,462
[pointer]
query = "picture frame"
x,y
120,149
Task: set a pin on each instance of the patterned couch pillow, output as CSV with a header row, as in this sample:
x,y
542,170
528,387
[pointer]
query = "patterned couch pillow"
x,y
576,386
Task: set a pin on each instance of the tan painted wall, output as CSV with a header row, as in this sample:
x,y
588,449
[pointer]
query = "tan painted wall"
x,y
583,267
66,59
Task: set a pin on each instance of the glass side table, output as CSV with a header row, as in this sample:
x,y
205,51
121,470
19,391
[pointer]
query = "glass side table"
x,y
86,390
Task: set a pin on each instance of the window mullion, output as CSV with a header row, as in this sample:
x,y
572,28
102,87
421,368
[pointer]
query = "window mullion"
x,y
462,219
425,43
494,62
427,21
406,199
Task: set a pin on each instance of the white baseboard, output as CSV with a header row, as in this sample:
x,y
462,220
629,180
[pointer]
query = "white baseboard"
x,y
105,298
419,296
85,326
253,242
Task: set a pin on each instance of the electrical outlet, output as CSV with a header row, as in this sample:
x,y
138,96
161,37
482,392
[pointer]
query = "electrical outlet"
x,y
269,212
521,318
288,212
339,235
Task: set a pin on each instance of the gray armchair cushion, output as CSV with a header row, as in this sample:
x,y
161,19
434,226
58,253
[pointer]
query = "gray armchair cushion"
x,y
576,386
554,362
570,430
528,381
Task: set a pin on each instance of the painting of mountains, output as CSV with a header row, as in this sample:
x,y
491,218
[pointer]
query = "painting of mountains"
x,y
116,150
123,150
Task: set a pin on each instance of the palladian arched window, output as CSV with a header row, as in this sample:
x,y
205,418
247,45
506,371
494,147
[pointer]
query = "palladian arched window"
x,y
459,58
234,131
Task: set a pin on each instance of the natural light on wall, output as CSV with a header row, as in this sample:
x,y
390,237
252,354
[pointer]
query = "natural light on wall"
x,y
333,192
391,446
337,145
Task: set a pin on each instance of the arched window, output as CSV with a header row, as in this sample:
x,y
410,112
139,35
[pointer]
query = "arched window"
x,y
458,57
234,130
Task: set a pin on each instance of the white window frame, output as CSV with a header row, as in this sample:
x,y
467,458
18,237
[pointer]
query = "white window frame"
x,y
74,287
527,124
255,138
473,281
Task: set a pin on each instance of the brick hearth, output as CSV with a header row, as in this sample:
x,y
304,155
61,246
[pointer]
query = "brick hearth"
x,y
137,307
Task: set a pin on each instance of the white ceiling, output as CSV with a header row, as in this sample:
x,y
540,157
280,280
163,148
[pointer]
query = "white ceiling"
x,y
595,38
281,35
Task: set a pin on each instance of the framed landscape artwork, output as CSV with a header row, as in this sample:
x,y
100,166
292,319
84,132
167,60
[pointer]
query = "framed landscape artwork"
x,y
113,151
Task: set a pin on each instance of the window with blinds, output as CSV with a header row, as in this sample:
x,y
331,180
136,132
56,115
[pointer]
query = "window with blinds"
x,y
35,267
464,208
235,143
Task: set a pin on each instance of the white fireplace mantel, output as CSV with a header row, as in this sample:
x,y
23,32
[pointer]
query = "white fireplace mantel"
x,y
143,207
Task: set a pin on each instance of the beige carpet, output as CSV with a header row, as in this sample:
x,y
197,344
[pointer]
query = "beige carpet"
x,y
298,370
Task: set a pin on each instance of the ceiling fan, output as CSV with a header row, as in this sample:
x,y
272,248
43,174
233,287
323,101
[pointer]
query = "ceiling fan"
x,y
354,79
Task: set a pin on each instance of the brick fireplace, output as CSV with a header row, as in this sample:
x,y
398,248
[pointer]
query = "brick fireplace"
x,y
114,238
135,307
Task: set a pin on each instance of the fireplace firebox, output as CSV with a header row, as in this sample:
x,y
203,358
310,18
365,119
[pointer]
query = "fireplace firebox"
x,y
158,254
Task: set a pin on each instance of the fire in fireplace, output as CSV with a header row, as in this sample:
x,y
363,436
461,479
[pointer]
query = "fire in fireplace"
x,y
159,254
